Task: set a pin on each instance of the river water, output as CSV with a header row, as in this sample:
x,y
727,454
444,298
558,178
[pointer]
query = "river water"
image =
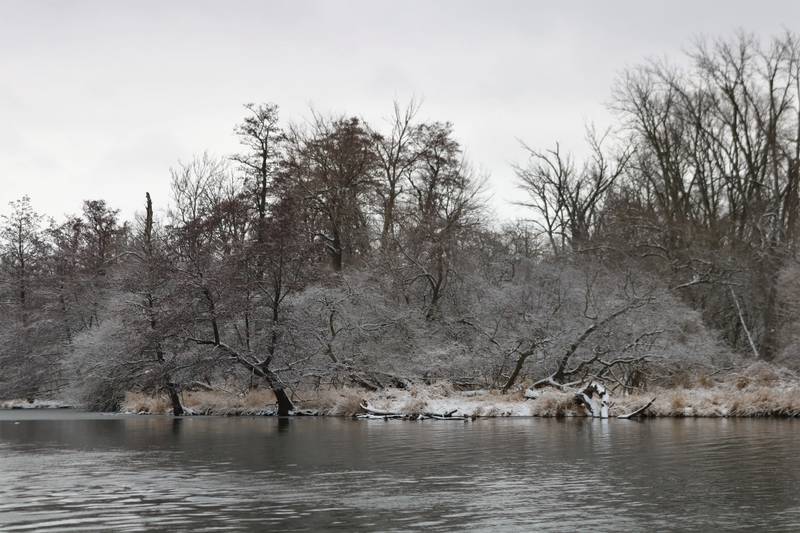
x,y
70,471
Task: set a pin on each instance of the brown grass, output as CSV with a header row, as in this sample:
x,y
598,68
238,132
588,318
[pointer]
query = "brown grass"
x,y
415,406
705,381
345,401
256,401
252,402
136,402
258,398
554,403
759,390
442,389
737,397
677,402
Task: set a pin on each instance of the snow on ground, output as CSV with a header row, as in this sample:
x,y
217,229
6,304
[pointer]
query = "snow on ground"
x,y
759,390
439,398
35,404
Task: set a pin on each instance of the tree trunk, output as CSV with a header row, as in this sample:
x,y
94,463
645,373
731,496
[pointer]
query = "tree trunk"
x,y
172,388
335,250
769,337
744,323
285,405
517,368
175,399
388,219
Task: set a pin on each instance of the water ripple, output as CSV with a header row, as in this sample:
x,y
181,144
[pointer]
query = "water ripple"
x,y
77,472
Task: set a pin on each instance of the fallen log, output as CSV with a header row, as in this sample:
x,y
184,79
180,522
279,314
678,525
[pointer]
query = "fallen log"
x,y
304,412
448,415
440,417
371,413
637,412
370,416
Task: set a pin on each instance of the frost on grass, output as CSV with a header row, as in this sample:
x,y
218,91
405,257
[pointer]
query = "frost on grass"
x,y
35,404
253,402
755,391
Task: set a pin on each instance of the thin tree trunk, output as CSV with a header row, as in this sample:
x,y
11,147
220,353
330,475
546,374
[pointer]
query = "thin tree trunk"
x,y
172,388
174,398
744,324
285,405
517,369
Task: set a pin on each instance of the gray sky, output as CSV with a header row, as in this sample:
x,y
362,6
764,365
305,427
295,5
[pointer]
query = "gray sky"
x,y
98,98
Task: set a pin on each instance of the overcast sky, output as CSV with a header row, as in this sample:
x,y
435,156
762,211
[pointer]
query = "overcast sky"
x,y
98,99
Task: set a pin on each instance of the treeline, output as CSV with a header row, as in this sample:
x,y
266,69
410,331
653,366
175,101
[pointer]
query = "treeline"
x,y
335,252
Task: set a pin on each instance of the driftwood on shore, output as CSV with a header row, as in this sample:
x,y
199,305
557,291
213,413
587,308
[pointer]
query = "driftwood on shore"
x,y
371,413
595,398
638,412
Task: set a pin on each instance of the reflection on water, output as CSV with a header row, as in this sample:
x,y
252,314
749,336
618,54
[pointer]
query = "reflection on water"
x,y
67,471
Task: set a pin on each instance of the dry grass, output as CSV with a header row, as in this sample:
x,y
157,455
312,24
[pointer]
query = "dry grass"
x,y
766,374
742,382
489,412
136,402
738,397
517,395
677,401
767,401
256,401
554,403
346,405
344,401
759,390
258,398
414,406
440,389
252,402
705,381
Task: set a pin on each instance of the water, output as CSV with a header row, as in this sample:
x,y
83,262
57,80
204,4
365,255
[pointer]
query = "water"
x,y
69,471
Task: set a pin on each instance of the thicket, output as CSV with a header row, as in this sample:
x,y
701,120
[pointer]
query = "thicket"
x,y
334,252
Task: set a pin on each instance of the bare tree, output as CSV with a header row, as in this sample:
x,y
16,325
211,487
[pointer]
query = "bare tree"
x,y
718,149
334,165
443,204
150,277
397,156
261,135
568,202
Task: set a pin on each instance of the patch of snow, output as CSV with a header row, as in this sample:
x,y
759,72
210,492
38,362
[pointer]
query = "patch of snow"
x,y
36,404
531,394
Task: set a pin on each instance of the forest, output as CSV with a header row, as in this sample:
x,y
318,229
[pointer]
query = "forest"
x,y
332,252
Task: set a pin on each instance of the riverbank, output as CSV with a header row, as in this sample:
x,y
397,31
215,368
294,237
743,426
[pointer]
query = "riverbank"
x,y
34,404
757,391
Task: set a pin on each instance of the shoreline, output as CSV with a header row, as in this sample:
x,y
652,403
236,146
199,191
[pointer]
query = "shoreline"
x,y
755,392
407,417
722,400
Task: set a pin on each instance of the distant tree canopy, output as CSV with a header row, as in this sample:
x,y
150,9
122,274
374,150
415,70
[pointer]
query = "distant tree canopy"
x,y
339,251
